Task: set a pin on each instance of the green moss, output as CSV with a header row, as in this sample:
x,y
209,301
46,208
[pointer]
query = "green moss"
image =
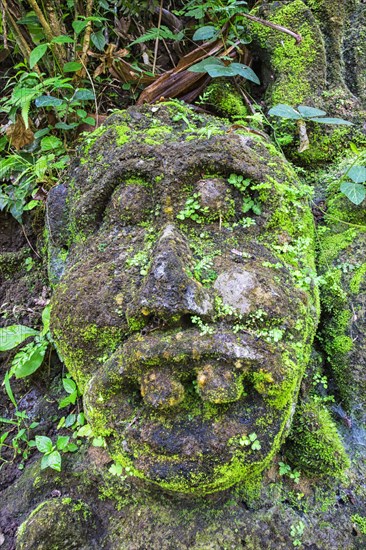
x,y
360,521
292,63
317,447
123,133
358,279
226,99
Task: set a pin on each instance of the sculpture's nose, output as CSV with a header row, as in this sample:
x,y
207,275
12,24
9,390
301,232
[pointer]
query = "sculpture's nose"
x,y
169,290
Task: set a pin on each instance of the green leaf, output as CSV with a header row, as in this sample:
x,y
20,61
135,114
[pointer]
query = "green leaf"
x,y
98,40
46,315
70,420
83,95
62,40
245,72
79,26
44,444
48,101
98,442
85,431
215,70
52,460
33,362
253,436
69,385
201,66
89,120
354,148
205,33
256,445
355,192
11,337
51,142
71,448
284,111
327,120
65,126
42,133
32,204
62,442
357,173
8,389
37,54
72,67
307,111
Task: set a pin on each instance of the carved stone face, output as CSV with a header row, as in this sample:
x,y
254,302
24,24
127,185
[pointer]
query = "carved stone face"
x,y
186,307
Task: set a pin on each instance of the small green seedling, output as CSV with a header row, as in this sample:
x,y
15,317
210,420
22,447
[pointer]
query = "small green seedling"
x,y
51,452
286,470
73,393
250,440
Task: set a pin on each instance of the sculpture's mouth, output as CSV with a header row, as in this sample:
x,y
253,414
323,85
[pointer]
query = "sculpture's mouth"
x,y
181,401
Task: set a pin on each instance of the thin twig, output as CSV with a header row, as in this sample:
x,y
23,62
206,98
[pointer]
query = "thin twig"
x,y
297,37
157,38
28,241
95,95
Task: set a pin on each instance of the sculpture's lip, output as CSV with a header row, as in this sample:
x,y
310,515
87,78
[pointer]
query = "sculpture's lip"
x,y
189,348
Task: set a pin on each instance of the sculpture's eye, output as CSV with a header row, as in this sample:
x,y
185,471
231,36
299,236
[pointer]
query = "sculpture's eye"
x,y
129,204
216,197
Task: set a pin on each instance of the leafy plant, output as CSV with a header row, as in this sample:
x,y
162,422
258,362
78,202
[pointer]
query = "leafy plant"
x,y
250,441
303,114
286,470
193,209
51,452
73,393
30,357
296,532
354,187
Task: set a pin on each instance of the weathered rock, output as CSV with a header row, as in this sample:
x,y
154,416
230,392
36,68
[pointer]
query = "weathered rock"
x,y
178,367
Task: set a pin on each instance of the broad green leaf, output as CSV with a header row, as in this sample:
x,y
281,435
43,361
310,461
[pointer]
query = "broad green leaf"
x,y
72,67
33,362
357,173
201,66
328,120
44,444
32,204
62,442
98,442
62,40
48,101
71,448
98,39
50,142
69,385
11,337
52,460
284,111
245,72
65,402
83,95
205,33
89,120
256,445
307,111
355,192
215,70
79,26
37,54
70,420
85,431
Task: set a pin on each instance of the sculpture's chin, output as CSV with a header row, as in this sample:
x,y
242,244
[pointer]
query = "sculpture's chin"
x,y
198,454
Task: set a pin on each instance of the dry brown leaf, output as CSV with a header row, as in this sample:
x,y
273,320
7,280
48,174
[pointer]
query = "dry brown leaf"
x,y
18,135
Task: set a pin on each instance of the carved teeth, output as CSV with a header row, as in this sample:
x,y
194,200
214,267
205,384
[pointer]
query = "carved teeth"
x,y
219,384
160,389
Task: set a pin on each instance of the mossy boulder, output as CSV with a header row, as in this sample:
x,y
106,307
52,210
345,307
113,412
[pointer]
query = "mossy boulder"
x,y
188,302
342,264
57,524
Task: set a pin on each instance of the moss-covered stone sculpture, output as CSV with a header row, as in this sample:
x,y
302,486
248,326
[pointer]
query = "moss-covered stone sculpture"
x,y
185,305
